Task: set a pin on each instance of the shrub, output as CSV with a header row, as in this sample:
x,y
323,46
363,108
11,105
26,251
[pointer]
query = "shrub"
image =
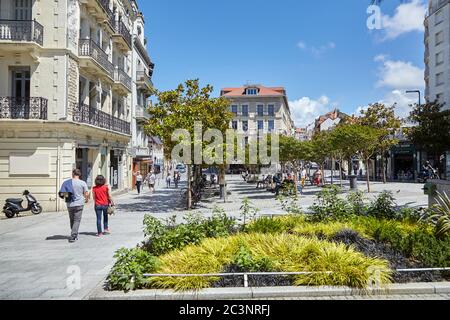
x,y
165,236
383,207
328,205
131,265
248,212
246,262
356,204
287,253
440,217
266,225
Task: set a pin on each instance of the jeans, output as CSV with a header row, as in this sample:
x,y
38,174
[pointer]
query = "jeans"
x,y
138,186
102,210
75,214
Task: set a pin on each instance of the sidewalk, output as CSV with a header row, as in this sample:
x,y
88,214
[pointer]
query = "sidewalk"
x,y
36,260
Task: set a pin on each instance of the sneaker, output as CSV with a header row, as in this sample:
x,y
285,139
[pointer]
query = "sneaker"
x,y
107,231
99,234
73,239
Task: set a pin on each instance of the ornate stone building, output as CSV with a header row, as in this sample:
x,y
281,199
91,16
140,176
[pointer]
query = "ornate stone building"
x,y
65,94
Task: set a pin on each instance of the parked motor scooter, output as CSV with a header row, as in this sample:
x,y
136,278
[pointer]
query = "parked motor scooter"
x,y
14,207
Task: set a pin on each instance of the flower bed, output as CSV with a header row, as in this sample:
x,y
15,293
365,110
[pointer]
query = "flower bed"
x,y
344,237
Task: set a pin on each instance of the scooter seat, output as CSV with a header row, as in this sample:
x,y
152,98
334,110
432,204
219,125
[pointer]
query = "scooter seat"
x,y
15,201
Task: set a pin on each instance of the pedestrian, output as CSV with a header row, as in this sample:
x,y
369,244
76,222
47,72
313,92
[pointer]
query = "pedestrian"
x,y
139,180
175,179
147,179
303,177
152,182
103,200
168,180
77,196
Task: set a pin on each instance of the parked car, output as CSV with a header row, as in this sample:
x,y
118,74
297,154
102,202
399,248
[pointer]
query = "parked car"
x,y
181,168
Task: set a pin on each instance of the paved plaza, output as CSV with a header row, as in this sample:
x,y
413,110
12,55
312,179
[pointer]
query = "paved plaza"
x,y
37,262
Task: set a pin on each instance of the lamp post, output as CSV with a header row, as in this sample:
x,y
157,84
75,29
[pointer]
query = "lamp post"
x,y
418,92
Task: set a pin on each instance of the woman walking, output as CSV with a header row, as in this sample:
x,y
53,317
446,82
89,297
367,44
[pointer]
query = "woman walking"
x,y
103,199
139,180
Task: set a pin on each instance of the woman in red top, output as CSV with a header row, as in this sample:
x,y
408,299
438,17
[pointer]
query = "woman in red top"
x,y
103,199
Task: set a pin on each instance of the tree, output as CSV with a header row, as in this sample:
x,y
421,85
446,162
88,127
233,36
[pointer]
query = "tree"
x,y
321,149
181,109
292,152
432,130
380,117
356,139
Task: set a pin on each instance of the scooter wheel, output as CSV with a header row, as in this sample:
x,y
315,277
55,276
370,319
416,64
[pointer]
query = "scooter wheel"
x,y
9,214
37,209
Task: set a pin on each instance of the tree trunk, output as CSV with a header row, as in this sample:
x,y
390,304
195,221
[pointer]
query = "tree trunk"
x,y
323,175
340,171
332,170
368,175
189,186
383,167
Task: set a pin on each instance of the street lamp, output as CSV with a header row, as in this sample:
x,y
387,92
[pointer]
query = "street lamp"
x,y
419,93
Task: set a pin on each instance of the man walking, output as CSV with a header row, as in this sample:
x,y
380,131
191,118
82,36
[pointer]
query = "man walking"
x,y
79,196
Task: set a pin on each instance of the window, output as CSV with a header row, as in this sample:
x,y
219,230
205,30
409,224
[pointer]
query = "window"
x,y
260,125
251,91
440,79
439,58
234,125
260,110
245,126
271,125
245,110
234,109
439,37
271,108
439,17
22,9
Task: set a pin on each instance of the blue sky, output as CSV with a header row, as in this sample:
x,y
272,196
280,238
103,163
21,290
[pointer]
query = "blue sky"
x,y
322,52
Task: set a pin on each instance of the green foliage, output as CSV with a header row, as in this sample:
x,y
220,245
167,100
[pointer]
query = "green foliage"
x,y
440,217
289,204
328,205
131,264
266,225
383,206
248,212
246,262
356,203
165,236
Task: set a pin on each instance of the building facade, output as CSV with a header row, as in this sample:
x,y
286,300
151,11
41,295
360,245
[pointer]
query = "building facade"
x,y
257,108
140,146
437,58
66,99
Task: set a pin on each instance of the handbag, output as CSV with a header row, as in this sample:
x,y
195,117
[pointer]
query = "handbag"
x,y
111,210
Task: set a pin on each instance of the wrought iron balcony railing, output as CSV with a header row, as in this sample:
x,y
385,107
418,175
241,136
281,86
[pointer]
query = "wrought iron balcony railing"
x,y
22,30
105,6
88,48
143,76
83,113
32,108
122,30
122,77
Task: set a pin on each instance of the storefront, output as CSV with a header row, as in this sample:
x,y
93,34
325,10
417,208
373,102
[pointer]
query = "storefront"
x,y
404,162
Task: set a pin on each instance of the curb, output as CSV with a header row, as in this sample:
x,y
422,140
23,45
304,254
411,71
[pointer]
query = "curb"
x,y
272,292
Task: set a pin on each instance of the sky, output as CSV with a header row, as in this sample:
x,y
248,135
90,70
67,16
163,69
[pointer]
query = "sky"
x,y
322,52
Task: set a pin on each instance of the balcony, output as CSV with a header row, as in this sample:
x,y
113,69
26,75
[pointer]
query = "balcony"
x,y
83,113
21,33
122,82
144,81
33,108
141,114
95,61
122,36
99,9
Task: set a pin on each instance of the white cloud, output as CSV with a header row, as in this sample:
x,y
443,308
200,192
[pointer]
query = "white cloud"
x,y
400,99
305,110
408,17
399,74
317,52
